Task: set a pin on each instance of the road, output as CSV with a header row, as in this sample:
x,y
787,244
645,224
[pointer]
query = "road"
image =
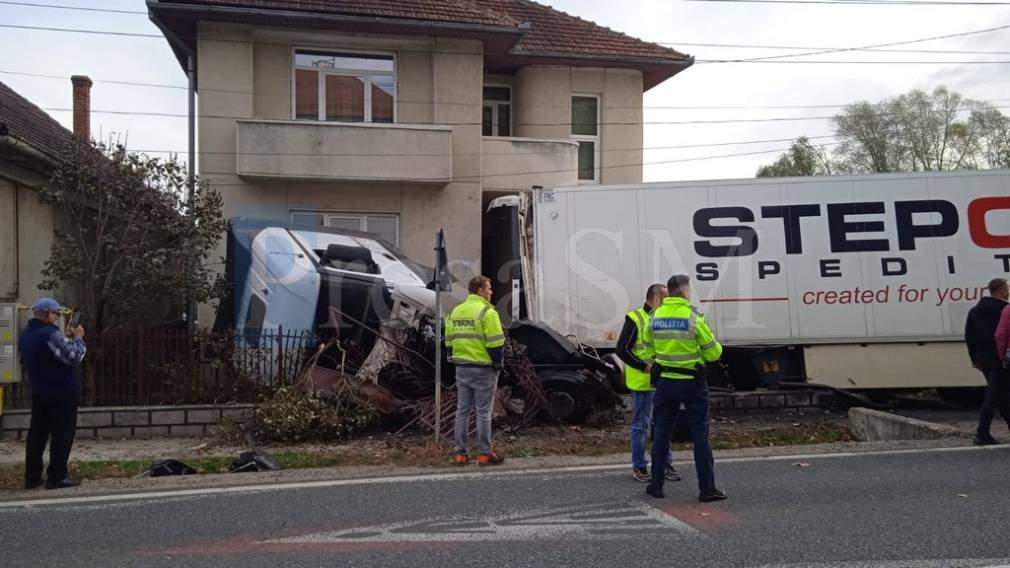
x,y
911,509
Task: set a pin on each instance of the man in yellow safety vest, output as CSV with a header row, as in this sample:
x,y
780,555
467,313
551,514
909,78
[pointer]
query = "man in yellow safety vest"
x,y
476,342
631,349
680,344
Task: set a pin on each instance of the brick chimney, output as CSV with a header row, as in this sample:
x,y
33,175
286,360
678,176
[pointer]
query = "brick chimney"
x,y
82,106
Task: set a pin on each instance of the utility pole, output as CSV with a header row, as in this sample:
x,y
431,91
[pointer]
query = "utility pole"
x,y
191,196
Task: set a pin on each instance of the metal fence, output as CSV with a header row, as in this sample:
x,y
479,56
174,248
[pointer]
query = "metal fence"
x,y
171,367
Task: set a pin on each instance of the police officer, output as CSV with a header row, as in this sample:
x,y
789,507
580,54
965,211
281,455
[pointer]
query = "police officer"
x,y
632,351
680,343
476,342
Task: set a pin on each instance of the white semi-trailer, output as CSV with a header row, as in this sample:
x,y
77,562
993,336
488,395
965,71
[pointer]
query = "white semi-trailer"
x,y
857,282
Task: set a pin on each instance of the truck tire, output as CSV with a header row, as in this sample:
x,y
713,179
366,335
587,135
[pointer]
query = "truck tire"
x,y
967,397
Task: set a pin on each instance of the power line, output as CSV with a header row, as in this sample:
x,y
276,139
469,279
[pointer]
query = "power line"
x,y
602,123
873,46
865,2
80,8
464,104
871,50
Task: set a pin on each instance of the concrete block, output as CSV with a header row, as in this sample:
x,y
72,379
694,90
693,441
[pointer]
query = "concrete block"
x,y
824,399
150,432
168,417
234,412
140,418
15,420
720,401
88,419
746,400
10,435
187,431
796,400
85,433
118,432
868,425
773,401
211,416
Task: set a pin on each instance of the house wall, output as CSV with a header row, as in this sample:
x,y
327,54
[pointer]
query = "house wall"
x,y
26,234
543,102
249,75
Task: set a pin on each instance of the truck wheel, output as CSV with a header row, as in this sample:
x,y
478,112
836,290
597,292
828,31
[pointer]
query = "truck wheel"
x,y
967,397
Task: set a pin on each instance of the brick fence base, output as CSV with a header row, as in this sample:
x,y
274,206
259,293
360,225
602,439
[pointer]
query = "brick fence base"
x,y
768,402
133,421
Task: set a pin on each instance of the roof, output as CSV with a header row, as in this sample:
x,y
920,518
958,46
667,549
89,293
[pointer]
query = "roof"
x,y
522,31
27,123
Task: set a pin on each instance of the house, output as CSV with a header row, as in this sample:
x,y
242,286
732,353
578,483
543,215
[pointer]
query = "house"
x,y
400,117
31,142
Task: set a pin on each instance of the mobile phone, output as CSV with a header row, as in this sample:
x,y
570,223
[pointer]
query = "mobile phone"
x,y
76,320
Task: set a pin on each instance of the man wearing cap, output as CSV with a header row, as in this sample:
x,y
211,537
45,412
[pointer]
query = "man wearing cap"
x,y
51,358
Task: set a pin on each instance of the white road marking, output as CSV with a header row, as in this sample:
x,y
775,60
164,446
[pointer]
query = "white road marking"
x,y
171,494
589,522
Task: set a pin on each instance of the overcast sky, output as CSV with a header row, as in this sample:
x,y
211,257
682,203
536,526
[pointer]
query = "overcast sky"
x,y
672,22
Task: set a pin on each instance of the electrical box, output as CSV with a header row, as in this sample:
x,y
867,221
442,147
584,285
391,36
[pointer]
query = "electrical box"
x,y
10,361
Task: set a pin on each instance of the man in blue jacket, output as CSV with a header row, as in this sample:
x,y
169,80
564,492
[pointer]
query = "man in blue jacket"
x,y
51,358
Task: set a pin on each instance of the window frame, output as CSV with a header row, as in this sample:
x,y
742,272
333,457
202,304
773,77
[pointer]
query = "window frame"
x,y
494,109
597,153
362,217
366,77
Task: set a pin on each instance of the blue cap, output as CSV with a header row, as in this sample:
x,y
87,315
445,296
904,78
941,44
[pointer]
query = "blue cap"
x,y
46,305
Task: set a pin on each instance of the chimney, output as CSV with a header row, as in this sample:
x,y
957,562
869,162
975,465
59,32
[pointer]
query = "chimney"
x,y
82,106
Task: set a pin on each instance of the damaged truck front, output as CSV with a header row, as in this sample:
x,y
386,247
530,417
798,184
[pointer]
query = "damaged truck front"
x,y
374,306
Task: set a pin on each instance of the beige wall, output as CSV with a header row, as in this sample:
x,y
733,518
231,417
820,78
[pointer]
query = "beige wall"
x,y
438,82
543,110
509,161
28,248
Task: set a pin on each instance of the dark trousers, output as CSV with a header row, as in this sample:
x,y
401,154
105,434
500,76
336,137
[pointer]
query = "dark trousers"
x,y
693,395
54,420
997,396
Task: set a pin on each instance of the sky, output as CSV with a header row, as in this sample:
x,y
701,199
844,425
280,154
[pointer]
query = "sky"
x,y
676,23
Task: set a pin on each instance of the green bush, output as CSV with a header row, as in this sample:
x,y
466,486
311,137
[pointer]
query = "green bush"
x,y
292,415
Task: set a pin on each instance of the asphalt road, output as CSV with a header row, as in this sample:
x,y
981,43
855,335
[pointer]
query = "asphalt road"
x,y
935,508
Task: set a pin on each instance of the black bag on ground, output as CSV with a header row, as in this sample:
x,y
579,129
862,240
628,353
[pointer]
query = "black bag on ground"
x,y
170,467
256,460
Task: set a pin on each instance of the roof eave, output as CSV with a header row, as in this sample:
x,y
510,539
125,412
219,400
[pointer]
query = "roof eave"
x,y
496,39
655,70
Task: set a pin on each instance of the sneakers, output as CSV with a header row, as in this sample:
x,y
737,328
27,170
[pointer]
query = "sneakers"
x,y
652,490
490,459
984,440
709,496
671,473
641,474
461,459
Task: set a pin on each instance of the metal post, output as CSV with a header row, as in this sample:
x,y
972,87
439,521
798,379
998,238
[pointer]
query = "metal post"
x,y
191,183
441,283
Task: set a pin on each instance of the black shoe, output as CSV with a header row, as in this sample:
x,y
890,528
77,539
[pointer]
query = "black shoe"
x,y
714,495
984,440
29,485
671,473
63,484
657,493
641,474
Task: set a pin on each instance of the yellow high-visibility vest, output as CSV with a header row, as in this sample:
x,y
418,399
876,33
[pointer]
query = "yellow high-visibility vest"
x,y
471,329
638,380
679,340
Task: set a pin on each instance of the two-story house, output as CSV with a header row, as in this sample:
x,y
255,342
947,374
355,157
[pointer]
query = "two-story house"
x,y
399,117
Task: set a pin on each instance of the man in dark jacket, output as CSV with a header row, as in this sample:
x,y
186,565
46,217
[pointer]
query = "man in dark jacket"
x,y
631,350
51,358
979,332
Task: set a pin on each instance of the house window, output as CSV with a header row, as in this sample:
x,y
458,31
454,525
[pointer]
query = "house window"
x,y
384,225
344,87
497,112
586,131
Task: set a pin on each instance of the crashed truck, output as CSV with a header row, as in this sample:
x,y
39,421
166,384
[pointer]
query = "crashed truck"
x,y
379,305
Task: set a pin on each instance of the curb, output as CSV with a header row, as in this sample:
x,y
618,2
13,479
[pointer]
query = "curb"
x,y
868,425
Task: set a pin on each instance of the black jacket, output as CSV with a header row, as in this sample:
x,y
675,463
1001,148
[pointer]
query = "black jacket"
x,y
979,331
626,341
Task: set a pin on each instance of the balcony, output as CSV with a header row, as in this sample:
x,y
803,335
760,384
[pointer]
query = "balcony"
x,y
516,164
329,151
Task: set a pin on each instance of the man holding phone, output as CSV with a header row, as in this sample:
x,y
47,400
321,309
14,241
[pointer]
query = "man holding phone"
x,y
51,358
